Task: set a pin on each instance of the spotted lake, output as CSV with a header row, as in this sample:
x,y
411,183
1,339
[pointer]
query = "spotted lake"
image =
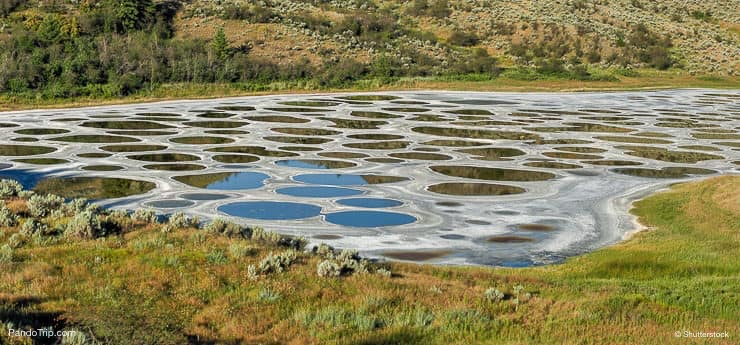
x,y
511,179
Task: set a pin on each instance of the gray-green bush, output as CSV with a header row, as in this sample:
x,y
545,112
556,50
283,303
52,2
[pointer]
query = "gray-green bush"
x,y
7,217
145,215
276,263
10,188
41,206
221,227
85,225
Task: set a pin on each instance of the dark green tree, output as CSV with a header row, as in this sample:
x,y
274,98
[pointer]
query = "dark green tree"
x,y
219,45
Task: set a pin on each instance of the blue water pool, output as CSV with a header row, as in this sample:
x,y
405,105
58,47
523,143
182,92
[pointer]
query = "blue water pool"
x,y
270,210
318,192
369,202
346,179
369,219
225,181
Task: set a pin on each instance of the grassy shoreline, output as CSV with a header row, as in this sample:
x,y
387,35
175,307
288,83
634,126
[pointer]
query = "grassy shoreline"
x,y
647,80
145,286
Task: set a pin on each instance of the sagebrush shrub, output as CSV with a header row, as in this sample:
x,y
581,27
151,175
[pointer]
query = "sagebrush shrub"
x,y
325,251
16,241
85,225
329,269
120,219
261,235
222,227
384,272
181,221
26,194
144,215
10,188
32,227
7,217
6,254
41,206
276,263
493,295
75,206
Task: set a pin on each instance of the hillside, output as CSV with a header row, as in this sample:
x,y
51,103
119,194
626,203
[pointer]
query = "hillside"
x,y
107,48
703,34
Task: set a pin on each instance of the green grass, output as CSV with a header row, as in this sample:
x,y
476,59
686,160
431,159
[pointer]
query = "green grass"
x,y
148,287
511,79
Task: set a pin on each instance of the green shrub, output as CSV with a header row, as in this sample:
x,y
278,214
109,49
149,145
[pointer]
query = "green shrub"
x,y
120,219
26,194
384,272
435,8
6,254
479,62
649,47
147,216
216,257
347,262
463,38
85,225
75,206
10,188
7,217
42,206
324,250
240,250
33,227
180,221
493,295
261,235
329,269
267,295
252,273
277,263
16,240
221,227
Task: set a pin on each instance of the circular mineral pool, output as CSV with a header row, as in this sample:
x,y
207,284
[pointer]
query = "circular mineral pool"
x,y
170,203
225,181
203,196
369,202
318,192
346,179
369,219
270,210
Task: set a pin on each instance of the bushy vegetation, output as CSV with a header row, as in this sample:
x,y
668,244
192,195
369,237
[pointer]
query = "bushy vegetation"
x,y
111,48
